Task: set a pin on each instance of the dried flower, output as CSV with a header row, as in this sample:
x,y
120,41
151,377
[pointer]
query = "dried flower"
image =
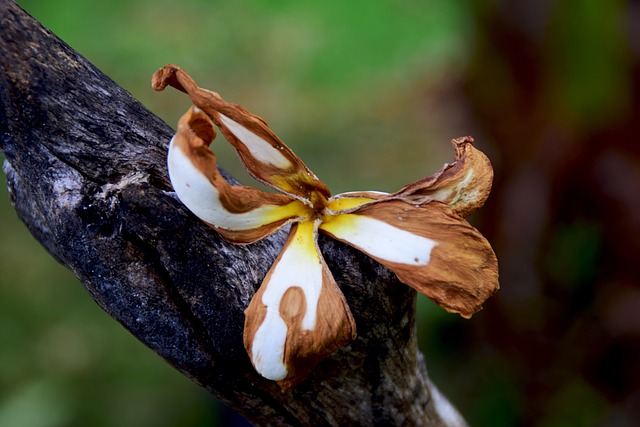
x,y
299,315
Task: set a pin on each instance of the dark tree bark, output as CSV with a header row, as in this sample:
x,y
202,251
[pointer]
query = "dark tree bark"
x,y
85,163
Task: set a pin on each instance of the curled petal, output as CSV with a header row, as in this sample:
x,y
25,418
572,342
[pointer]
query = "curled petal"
x,y
429,247
264,155
299,315
240,214
464,185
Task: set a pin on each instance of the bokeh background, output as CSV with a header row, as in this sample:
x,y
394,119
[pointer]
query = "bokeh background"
x,y
369,93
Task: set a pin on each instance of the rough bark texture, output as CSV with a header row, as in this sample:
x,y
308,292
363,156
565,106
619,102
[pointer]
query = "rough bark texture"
x,y
86,169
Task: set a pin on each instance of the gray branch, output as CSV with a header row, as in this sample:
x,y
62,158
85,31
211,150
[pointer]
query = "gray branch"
x,y
85,163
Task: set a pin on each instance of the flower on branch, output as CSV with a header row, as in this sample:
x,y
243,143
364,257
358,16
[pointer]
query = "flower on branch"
x,y
299,316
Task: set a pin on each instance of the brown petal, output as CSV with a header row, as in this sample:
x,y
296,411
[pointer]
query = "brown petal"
x,y
264,155
299,315
240,214
464,185
429,247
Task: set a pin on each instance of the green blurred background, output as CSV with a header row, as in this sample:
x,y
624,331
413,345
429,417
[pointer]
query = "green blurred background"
x,y
369,94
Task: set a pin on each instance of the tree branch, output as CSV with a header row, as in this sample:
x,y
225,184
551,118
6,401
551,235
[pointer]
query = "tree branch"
x,y
85,163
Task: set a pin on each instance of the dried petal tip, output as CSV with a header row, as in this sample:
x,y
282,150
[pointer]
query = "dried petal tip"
x,y
464,185
171,75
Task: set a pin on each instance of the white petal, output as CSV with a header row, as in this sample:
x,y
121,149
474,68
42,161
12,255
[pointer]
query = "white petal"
x,y
379,239
203,199
300,266
268,347
258,147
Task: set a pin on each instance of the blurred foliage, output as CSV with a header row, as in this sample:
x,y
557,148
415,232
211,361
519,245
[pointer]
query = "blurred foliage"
x,y
329,73
368,94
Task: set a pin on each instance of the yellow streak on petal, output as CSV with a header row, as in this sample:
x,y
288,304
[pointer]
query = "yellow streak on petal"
x,y
304,242
344,203
291,210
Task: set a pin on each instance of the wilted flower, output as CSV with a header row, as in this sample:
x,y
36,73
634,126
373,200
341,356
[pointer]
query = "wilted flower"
x,y
299,315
